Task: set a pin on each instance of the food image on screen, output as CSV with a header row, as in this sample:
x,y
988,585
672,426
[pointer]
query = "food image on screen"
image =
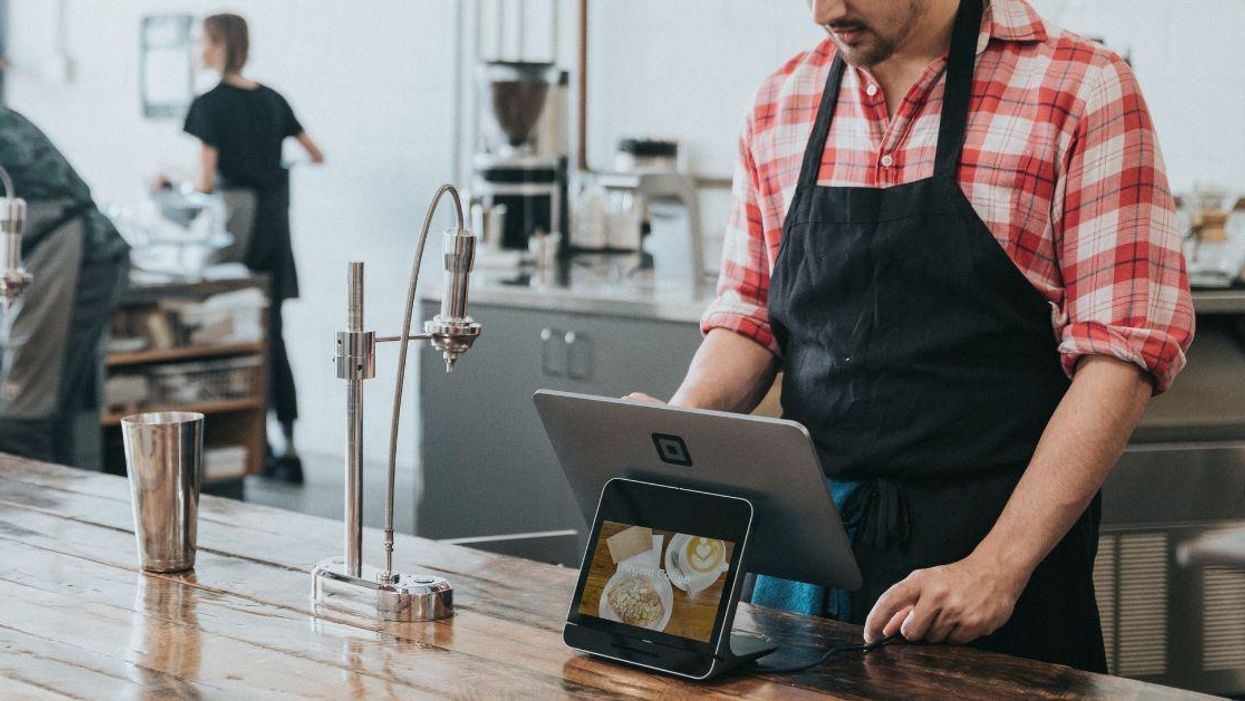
x,y
636,602
657,580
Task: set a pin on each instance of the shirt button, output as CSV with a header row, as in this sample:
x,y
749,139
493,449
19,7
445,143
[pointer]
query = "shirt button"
x,y
871,90
887,161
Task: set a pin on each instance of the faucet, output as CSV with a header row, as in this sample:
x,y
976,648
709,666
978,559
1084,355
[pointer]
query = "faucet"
x,y
13,277
345,583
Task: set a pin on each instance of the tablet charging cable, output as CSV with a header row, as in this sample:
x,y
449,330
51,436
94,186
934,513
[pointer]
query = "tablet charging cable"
x,y
839,651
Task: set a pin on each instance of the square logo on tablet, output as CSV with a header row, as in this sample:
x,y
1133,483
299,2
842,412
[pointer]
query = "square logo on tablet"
x,y
672,450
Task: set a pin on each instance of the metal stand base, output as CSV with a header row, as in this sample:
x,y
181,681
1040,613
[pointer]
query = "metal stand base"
x,y
405,597
745,649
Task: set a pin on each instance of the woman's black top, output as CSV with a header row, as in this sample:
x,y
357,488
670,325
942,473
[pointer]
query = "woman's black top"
x,y
246,126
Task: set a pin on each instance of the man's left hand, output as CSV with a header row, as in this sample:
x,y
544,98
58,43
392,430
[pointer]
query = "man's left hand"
x,y
955,603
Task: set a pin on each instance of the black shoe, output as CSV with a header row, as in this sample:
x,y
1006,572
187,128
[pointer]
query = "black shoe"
x,y
287,468
270,462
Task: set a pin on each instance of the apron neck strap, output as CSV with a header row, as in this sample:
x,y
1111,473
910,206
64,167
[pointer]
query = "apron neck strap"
x,y
821,127
961,60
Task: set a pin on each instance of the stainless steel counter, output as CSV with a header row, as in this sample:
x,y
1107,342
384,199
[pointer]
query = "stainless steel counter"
x,y
599,290
590,290
1229,301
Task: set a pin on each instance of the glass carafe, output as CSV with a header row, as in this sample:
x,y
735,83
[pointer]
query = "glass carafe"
x,y
1215,246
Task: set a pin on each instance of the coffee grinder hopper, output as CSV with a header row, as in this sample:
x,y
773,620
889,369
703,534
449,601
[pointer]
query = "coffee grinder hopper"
x,y
517,93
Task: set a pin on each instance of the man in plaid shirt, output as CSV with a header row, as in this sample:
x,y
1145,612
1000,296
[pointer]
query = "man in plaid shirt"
x,y
952,231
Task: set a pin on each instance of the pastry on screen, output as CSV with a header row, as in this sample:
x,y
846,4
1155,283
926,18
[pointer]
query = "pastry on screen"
x,y
630,542
636,602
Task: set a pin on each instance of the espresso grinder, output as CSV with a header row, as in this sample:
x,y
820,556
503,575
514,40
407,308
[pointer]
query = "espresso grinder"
x,y
519,174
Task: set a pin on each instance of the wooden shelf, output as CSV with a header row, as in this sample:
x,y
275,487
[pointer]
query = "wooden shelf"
x,y
184,353
236,422
214,407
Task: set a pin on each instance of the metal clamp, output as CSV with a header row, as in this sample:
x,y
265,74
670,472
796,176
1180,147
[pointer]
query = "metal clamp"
x,y
356,355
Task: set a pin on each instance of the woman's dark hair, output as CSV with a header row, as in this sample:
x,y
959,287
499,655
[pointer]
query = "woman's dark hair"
x,y
230,29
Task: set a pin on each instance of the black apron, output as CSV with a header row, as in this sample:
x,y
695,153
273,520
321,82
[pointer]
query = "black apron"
x,y
924,362
271,250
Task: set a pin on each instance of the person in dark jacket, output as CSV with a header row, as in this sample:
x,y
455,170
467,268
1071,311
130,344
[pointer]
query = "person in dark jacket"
x,y
52,339
241,126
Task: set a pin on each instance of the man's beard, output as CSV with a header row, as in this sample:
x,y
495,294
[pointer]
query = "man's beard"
x,y
869,54
881,47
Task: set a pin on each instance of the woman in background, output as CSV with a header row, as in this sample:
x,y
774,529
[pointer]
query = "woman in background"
x,y
241,125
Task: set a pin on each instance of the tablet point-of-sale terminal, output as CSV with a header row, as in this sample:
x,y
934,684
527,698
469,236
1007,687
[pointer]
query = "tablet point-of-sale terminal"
x,y
681,504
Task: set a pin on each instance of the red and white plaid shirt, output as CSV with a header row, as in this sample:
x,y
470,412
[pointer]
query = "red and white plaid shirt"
x,y
1060,162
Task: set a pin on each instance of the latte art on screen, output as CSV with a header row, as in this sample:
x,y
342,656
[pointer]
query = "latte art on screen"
x,y
703,555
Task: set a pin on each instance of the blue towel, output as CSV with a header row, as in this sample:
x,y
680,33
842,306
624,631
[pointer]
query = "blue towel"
x,y
811,599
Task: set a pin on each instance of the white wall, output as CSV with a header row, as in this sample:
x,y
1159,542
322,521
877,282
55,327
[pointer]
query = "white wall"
x,y
687,70
371,82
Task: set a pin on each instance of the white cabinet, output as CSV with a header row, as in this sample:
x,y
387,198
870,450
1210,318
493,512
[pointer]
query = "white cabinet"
x,y
488,469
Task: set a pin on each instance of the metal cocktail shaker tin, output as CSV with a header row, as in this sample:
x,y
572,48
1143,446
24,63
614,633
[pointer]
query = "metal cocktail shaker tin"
x,y
164,459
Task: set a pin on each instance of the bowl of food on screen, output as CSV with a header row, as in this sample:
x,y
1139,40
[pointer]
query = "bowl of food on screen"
x,y
642,599
638,593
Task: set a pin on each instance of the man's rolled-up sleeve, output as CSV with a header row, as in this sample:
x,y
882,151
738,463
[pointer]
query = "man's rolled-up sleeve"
x,y
743,286
1126,290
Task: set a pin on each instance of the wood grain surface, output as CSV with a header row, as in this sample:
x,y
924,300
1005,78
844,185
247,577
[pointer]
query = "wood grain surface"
x,y
77,620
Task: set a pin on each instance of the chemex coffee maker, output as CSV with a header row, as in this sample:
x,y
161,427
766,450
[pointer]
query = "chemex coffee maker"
x,y
519,184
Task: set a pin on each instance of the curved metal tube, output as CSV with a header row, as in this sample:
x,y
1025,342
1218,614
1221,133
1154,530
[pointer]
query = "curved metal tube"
x,y
8,183
405,339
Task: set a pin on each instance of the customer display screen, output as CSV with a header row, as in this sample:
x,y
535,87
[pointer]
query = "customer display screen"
x,y
658,580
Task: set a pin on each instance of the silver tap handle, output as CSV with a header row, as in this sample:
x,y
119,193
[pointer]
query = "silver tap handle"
x,y
452,331
13,277
460,256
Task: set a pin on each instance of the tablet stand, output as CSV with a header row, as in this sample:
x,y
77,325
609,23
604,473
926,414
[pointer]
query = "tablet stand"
x,y
737,649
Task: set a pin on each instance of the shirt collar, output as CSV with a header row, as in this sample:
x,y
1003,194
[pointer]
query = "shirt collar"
x,y
1010,20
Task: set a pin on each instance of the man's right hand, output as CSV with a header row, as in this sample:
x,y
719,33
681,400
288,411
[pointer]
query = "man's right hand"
x,y
642,397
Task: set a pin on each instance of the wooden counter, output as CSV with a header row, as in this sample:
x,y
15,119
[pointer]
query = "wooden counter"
x,y
78,621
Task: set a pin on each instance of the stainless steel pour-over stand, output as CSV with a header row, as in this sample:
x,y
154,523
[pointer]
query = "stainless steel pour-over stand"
x,y
345,583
